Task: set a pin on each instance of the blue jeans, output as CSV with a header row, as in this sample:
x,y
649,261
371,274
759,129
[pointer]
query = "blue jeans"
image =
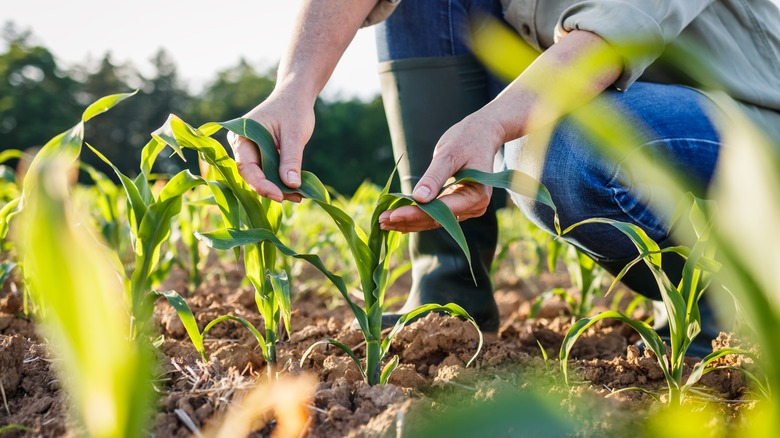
x,y
674,125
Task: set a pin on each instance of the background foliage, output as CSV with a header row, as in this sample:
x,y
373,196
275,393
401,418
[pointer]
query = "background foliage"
x,y
38,98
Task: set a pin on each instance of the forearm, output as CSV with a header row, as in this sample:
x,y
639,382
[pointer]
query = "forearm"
x,y
567,75
323,30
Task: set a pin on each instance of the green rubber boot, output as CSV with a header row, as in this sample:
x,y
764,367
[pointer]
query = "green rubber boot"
x,y
423,97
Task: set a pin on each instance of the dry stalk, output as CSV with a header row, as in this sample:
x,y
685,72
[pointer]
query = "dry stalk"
x,y
188,422
5,400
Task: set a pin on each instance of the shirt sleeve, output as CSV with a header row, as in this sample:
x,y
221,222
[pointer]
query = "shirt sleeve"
x,y
381,11
638,29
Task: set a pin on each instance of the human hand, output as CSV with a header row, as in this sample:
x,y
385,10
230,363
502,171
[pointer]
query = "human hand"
x,y
290,120
470,144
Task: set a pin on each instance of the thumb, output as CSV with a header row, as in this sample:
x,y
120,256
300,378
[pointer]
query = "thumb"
x,y
290,157
431,183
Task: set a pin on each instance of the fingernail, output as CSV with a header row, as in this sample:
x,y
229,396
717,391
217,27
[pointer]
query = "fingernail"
x,y
276,198
384,226
422,192
293,177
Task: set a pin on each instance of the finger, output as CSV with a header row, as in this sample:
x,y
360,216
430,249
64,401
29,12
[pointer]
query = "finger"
x,y
248,163
421,221
406,215
290,156
256,179
466,201
442,167
293,197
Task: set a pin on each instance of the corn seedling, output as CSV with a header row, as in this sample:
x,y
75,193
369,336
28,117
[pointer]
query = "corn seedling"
x,y
150,217
242,211
9,189
681,301
11,193
746,192
75,283
191,326
585,277
108,200
191,220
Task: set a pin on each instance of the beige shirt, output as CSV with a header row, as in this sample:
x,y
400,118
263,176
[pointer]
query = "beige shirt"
x,y
737,40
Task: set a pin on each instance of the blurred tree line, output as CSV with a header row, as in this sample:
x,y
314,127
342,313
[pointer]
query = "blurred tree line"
x,y
39,99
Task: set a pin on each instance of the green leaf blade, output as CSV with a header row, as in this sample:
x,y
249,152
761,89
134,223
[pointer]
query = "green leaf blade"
x,y
104,104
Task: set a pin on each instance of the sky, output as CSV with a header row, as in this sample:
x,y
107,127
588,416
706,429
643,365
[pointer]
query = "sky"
x,y
203,37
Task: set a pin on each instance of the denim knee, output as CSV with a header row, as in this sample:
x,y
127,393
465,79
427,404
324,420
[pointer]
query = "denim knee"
x,y
431,28
585,184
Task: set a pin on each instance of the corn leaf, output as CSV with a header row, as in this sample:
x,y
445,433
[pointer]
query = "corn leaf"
x,y
227,203
281,287
700,367
187,319
650,252
6,268
638,237
104,104
388,369
260,339
311,188
512,180
107,377
107,190
442,214
338,344
10,154
154,229
451,308
230,238
9,210
392,243
178,134
649,336
180,184
137,204
149,155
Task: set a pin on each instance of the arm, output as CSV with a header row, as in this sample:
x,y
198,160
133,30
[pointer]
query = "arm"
x,y
528,102
323,31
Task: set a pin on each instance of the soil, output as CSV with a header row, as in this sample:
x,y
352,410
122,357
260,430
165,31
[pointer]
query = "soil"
x,y
432,376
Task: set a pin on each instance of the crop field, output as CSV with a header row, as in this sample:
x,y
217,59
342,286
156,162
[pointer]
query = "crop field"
x,y
185,305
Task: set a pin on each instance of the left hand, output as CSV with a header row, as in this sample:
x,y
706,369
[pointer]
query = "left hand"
x,y
470,144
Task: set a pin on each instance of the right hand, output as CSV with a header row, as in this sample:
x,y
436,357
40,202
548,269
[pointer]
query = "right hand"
x,y
291,123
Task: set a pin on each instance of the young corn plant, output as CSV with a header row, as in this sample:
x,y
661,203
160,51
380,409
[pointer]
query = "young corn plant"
x,y
242,211
372,250
9,189
65,147
191,220
79,294
150,216
681,301
108,198
748,246
585,276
